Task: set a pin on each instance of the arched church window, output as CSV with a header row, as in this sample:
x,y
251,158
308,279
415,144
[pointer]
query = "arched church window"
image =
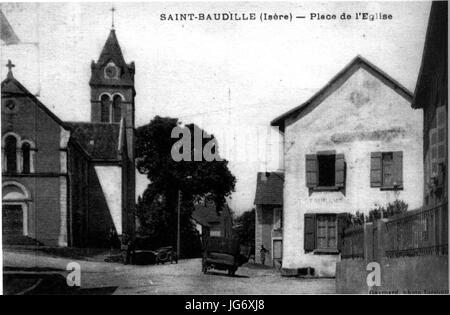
x,y
105,108
11,156
26,154
117,114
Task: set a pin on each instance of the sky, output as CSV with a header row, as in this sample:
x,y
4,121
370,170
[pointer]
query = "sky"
x,y
229,77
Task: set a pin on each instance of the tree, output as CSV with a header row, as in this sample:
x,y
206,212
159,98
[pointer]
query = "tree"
x,y
196,179
392,209
245,228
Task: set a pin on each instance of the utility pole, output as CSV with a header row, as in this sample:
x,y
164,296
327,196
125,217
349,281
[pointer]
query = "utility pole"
x,y
178,223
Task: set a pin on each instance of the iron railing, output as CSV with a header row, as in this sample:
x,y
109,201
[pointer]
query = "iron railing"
x,y
415,233
419,233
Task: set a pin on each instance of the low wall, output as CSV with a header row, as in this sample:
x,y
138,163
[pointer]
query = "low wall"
x,y
404,275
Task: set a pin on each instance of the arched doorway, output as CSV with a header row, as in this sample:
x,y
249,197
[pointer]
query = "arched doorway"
x,y
15,200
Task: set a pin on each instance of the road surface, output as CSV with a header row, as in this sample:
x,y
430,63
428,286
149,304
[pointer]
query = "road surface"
x,y
182,278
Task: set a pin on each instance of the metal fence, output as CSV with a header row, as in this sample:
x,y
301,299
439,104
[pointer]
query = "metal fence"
x,y
423,232
415,233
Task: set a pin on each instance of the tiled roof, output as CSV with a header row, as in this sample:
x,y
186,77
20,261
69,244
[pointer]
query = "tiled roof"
x,y
269,188
205,214
99,140
11,88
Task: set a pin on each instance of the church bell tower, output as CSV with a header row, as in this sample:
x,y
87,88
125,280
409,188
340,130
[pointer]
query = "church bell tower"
x,y
112,85
112,102
112,89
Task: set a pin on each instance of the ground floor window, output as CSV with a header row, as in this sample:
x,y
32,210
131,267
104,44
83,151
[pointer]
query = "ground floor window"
x,y
326,231
321,232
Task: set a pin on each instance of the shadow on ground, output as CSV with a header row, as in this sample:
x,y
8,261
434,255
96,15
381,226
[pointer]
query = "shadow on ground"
x,y
38,283
214,273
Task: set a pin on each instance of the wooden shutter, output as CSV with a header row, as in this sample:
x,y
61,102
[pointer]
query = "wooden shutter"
x,y
311,171
340,170
343,222
398,168
375,169
310,232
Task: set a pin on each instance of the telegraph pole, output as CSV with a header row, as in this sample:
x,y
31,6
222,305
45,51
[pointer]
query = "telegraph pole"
x,y
178,223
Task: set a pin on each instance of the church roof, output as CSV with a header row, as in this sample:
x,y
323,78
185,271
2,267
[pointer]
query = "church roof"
x,y
11,88
99,140
112,52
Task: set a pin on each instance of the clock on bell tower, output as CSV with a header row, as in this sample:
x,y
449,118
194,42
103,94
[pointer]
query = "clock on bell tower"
x,y
112,85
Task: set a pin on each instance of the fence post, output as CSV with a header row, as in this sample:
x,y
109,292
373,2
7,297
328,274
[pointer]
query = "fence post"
x,y
368,242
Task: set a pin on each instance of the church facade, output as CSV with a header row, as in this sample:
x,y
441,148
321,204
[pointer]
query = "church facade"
x,y
70,183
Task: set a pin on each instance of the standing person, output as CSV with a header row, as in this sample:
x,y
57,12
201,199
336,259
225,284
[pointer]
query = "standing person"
x,y
262,253
124,248
130,252
112,239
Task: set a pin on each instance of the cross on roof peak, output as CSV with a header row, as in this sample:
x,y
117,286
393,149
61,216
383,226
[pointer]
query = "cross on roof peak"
x,y
10,65
113,9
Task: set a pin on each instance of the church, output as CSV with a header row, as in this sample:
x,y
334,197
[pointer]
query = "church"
x,y
70,183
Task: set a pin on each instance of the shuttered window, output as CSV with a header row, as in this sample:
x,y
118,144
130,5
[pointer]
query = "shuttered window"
x,y
386,170
310,232
375,169
311,170
326,231
340,170
323,232
325,170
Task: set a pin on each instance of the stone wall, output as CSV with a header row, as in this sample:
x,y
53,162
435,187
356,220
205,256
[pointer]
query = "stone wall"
x,y
404,275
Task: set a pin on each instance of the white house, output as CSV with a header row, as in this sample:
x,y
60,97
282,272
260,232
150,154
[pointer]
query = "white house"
x,y
355,145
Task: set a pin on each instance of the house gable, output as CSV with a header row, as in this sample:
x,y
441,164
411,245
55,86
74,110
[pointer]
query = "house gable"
x,y
335,83
361,108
